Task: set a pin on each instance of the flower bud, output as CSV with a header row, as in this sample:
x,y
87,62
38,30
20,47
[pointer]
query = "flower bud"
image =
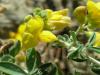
x,y
47,36
80,13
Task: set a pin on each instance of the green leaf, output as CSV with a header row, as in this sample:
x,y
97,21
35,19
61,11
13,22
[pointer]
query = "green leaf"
x,y
60,37
96,69
77,73
73,34
77,55
11,69
91,40
95,49
33,59
55,71
42,69
49,69
66,37
46,68
74,53
14,50
7,58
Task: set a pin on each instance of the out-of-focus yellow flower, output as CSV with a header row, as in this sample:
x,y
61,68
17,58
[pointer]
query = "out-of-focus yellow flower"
x,y
80,14
58,19
47,36
97,40
94,13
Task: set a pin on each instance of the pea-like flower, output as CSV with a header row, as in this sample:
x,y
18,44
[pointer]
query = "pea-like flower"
x,y
58,20
93,13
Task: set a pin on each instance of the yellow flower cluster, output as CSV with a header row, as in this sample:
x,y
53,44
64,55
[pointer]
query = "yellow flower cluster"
x,y
33,33
33,30
94,13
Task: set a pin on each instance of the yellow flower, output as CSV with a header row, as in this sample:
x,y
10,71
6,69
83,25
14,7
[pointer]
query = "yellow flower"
x,y
34,33
47,36
97,40
29,40
34,25
94,13
58,20
33,30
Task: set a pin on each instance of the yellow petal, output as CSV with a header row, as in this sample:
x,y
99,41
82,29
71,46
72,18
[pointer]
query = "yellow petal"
x,y
98,5
63,12
34,25
47,36
21,28
49,12
18,37
58,22
29,41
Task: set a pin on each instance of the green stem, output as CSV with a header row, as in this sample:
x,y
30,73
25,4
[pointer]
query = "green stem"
x,y
78,30
94,61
